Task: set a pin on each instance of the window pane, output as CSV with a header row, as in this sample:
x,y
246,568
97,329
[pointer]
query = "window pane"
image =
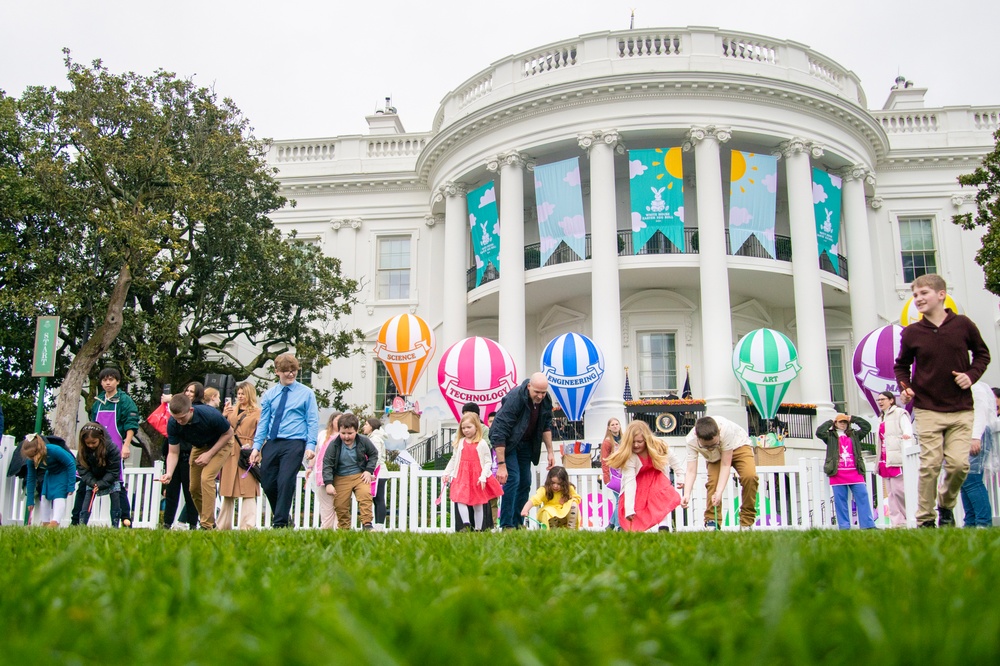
x,y
916,240
385,388
835,361
657,363
393,272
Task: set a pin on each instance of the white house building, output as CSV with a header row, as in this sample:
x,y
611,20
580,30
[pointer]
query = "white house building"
x,y
393,206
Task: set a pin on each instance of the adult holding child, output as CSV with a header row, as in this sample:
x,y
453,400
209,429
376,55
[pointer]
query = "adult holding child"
x,y
236,482
522,424
934,370
725,446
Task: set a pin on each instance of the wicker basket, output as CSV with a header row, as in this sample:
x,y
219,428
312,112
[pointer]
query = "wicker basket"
x,y
769,456
576,460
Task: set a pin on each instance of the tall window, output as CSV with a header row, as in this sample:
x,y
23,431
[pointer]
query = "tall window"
x,y
838,393
385,388
393,270
657,363
916,239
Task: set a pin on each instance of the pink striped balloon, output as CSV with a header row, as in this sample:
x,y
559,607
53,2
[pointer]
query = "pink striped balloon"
x,y
476,370
874,358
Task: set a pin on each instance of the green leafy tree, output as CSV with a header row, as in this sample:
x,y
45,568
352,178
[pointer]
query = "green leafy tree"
x,y
151,238
987,179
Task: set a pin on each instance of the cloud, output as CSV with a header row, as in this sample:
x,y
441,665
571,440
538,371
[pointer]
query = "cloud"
x,y
472,220
489,196
636,168
538,184
496,228
479,262
739,216
573,177
819,194
836,180
637,223
768,234
771,182
835,248
679,213
573,226
544,210
547,243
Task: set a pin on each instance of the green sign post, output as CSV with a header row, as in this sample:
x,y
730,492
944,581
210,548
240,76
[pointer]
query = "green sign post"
x,y
44,362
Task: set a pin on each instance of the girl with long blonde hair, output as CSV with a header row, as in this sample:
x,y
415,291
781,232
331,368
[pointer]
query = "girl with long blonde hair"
x,y
647,496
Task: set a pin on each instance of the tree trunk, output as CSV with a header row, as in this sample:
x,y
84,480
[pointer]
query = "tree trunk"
x,y
68,402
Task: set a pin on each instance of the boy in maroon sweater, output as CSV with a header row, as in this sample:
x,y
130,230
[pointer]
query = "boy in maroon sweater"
x,y
937,349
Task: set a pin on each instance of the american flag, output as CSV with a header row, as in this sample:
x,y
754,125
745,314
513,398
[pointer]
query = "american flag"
x,y
686,392
627,395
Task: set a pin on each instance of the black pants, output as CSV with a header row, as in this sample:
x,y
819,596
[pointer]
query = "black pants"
x,y
116,507
181,480
281,460
379,500
125,507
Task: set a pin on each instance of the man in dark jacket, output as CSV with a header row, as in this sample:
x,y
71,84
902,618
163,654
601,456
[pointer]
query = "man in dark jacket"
x,y
348,468
521,425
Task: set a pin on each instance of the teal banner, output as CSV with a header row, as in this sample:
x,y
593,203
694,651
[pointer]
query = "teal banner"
x,y
560,208
657,185
826,204
752,197
484,224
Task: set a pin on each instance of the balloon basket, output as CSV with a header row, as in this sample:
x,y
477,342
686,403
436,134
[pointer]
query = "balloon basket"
x,y
408,418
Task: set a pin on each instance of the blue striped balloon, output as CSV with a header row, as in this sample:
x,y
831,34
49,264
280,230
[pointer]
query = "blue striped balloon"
x,y
574,366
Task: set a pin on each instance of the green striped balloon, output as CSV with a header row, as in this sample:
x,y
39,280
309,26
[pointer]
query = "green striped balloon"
x,y
765,363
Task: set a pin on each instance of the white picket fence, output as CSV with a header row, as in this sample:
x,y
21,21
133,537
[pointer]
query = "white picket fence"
x,y
789,497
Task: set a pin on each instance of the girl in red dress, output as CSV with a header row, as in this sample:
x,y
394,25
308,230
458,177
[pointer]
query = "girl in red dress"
x,y
468,472
647,496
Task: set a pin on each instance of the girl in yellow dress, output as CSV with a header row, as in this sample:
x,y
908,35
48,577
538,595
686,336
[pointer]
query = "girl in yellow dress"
x,y
557,501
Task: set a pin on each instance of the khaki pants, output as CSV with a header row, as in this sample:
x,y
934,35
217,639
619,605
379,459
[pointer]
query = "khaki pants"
x,y
747,471
248,514
345,487
944,437
571,520
203,484
324,504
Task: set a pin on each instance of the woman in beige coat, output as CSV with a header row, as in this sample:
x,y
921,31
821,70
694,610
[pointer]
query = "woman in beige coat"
x,y
236,482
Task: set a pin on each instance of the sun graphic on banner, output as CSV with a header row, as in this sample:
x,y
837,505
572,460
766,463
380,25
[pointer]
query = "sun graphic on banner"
x,y
672,165
738,170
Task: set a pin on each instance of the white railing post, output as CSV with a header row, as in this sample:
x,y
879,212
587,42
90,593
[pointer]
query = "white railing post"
x,y
911,475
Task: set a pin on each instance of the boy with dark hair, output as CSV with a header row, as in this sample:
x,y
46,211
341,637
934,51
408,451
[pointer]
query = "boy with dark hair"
x,y
348,468
117,412
934,371
724,445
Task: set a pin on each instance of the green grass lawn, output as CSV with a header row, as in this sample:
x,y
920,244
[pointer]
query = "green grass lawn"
x,y
80,596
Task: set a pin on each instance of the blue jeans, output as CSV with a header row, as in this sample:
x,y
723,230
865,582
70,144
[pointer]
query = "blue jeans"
x,y
518,486
614,514
860,494
976,502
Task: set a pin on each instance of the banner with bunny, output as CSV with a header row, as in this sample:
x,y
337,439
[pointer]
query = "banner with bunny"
x,y
484,224
826,204
559,200
656,180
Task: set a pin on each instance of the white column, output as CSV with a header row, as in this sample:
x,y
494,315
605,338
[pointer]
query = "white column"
x,y
511,327
454,292
861,274
721,391
605,307
810,323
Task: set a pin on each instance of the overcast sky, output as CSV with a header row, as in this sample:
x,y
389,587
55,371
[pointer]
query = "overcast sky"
x,y
305,69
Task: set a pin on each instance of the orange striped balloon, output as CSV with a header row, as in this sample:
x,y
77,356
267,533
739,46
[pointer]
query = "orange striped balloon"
x,y
405,345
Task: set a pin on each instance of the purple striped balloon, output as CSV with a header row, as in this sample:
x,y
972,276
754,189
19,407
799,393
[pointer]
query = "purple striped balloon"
x,y
874,358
